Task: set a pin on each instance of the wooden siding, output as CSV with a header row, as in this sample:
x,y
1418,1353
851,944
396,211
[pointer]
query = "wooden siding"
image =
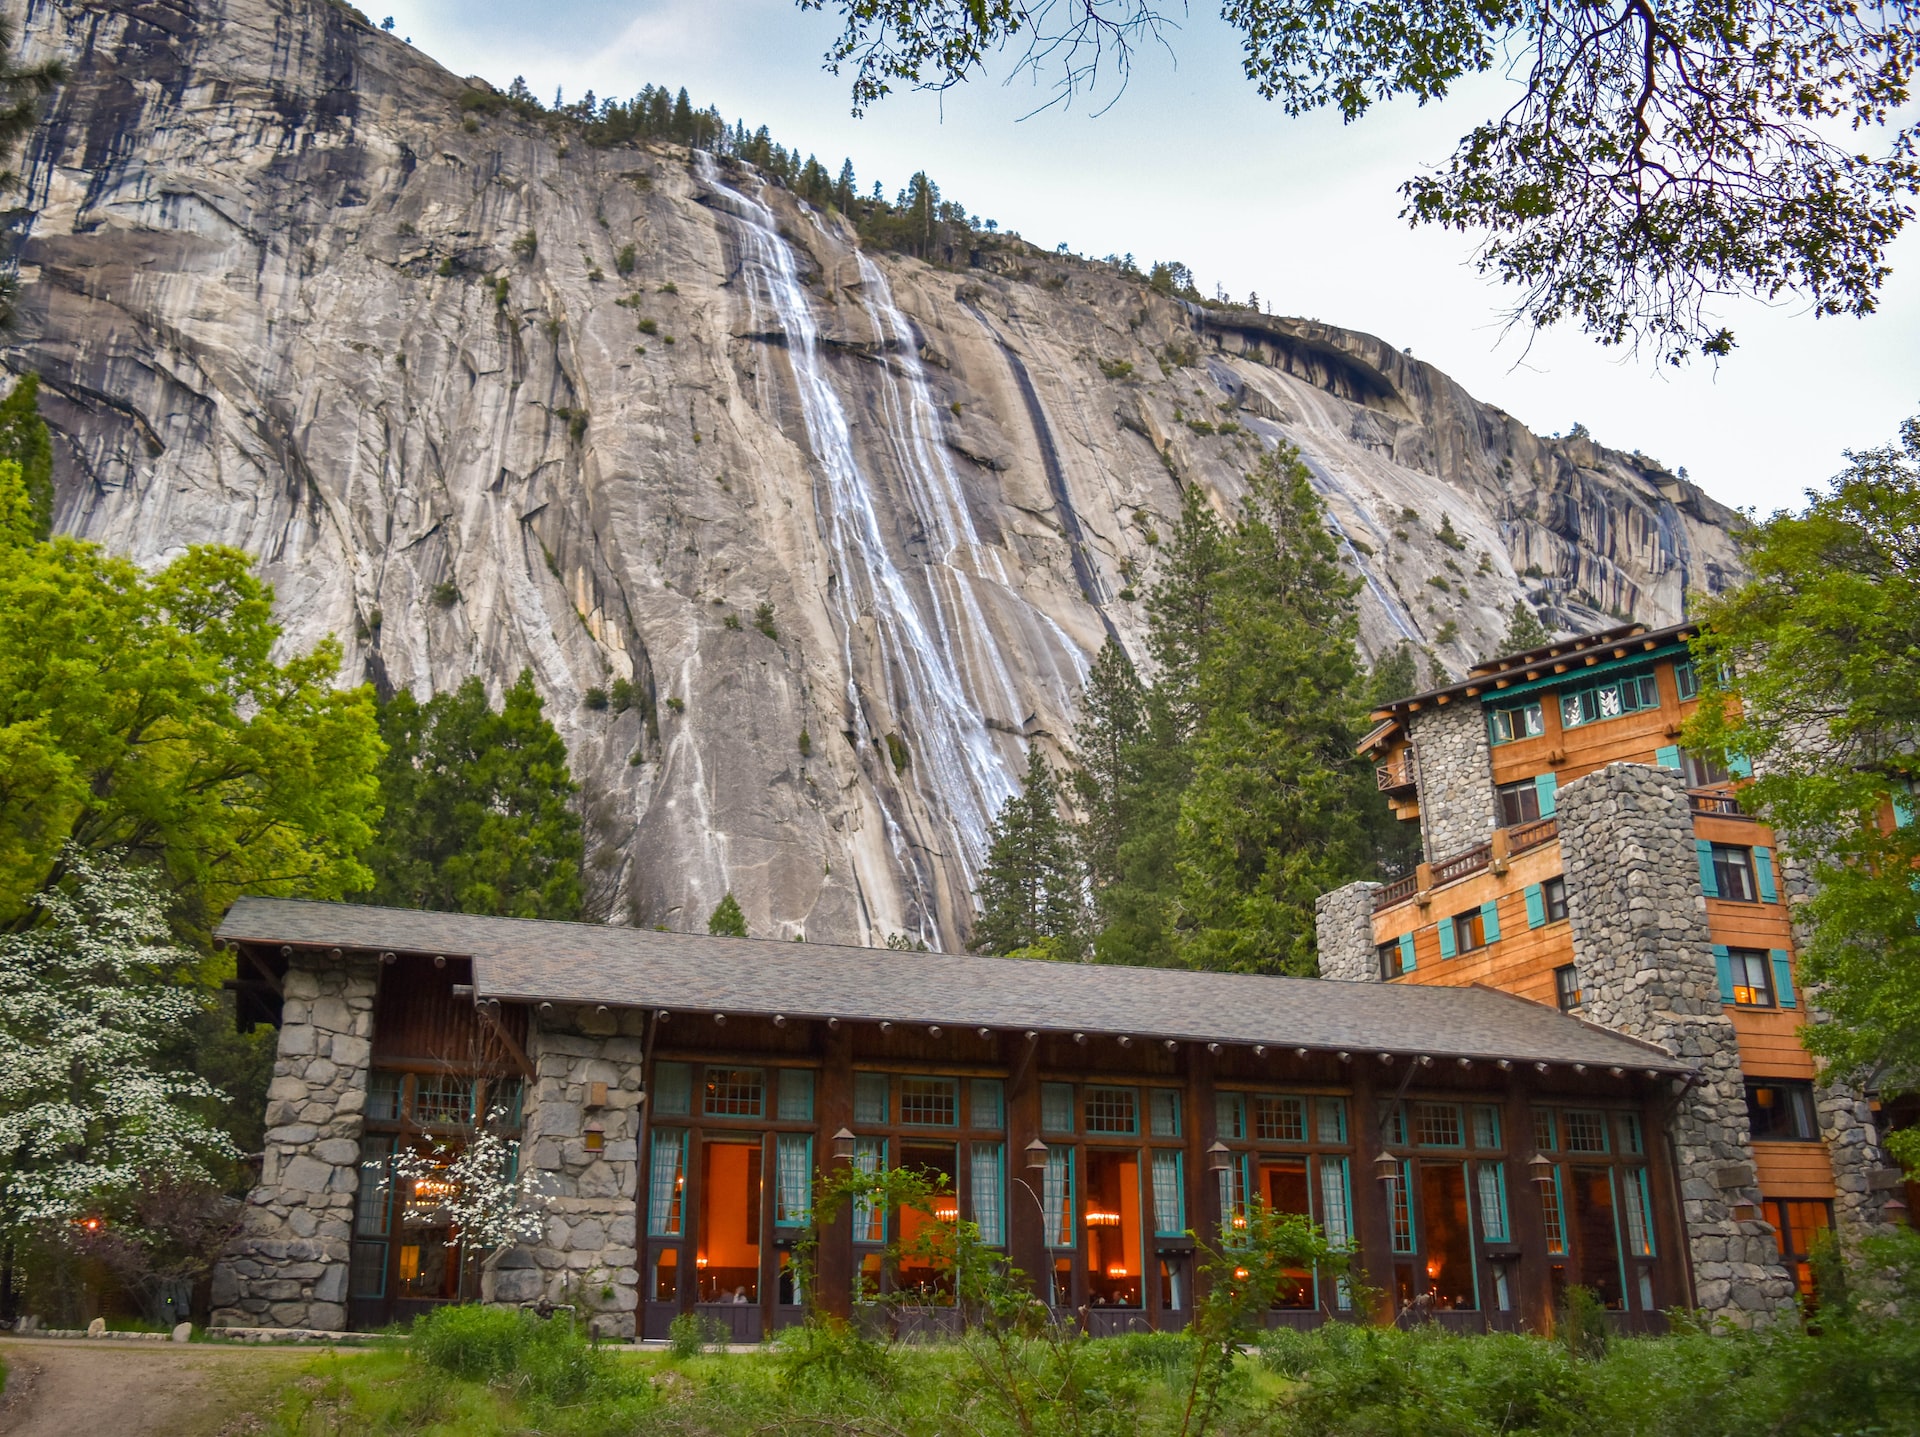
x,y
418,1021
1770,1042
1793,1170
1521,961
1574,753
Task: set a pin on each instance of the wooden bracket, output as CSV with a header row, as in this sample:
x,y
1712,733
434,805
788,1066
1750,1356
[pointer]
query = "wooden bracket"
x,y
499,1030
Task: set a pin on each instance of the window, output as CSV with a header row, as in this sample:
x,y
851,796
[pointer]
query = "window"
x,y
1519,802
440,1101
1332,1121
1686,683
793,1179
1752,981
1798,1226
929,1103
987,1105
1543,1126
870,1099
1436,1125
1553,1216
987,1186
1469,931
1056,1197
1732,870
1781,1112
1566,987
1163,1104
1507,724
1389,956
869,1217
1609,700
796,1095
672,1090
1491,1189
1056,1107
1230,1116
667,1182
1486,1126
735,1093
1584,1131
383,1096
1553,894
1279,1120
1115,1252
372,1218
1113,1110
1169,1193
1702,772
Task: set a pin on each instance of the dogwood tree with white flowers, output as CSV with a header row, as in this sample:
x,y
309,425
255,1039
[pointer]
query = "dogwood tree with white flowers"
x,y
89,999
480,1189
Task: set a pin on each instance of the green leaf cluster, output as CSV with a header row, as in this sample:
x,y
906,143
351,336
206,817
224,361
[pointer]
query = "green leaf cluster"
x,y
479,817
1812,670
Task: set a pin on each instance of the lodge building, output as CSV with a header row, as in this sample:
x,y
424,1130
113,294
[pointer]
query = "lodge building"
x,y
678,1094
1575,854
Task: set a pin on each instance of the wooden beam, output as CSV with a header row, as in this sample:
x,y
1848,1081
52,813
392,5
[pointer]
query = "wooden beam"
x,y
498,1029
267,975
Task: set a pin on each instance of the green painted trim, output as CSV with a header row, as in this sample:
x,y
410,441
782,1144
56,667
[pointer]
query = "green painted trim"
x,y
1497,698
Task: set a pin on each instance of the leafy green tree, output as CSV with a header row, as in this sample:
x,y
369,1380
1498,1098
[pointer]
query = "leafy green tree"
x,y
1273,815
1031,896
1524,631
142,715
1812,670
479,815
726,920
24,440
1659,156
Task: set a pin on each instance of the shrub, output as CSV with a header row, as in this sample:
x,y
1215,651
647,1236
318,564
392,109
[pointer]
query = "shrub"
x,y
595,699
649,326
806,744
621,695
731,621
678,705
623,261
897,751
445,269
1117,368
692,1333
1447,536
477,1343
446,593
526,246
763,620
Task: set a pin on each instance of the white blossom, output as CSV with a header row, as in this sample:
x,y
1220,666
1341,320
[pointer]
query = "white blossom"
x,y
480,1189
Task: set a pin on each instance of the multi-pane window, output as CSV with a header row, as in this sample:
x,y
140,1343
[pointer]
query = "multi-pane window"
x,y
1543,1129
1056,1107
442,1101
1436,1125
1056,1197
1702,772
796,1095
1553,1216
929,1103
1489,1185
987,1105
1388,955
1686,683
1230,1116
1400,1209
1113,1110
793,1179
1469,931
667,1182
1169,1192
1331,1120
734,1093
1781,1111
1519,802
1486,1126
1566,986
1583,1130
987,1174
372,1218
1163,1108
1279,1119
1752,977
869,1215
1636,1203
1609,700
672,1095
1504,725
383,1096
1733,873
870,1099
1797,1226
1553,893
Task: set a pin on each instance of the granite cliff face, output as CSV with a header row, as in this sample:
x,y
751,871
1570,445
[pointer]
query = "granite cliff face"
x,y
850,526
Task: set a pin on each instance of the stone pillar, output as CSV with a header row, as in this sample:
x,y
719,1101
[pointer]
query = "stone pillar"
x,y
1343,933
589,1255
288,1266
1640,938
1456,778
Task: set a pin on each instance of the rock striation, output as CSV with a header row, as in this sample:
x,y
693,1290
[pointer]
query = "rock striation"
x,y
484,398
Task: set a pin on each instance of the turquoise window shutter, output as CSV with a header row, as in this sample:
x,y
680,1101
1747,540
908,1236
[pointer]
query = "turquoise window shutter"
x,y
1763,871
1783,978
1547,785
1668,757
1903,807
1445,928
1536,906
1406,952
1708,883
1723,961
1490,920
1739,765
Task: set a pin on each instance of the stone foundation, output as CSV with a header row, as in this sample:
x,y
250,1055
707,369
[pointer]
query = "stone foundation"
x,y
1640,938
589,1255
288,1266
1343,934
1456,779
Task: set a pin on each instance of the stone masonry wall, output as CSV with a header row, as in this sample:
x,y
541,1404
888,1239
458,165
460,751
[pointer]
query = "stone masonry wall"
x,y
589,1255
288,1266
1343,933
1456,779
1640,938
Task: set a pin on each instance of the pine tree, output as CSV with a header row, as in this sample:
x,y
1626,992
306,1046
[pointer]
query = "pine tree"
x,y
1394,677
479,816
1032,895
726,920
1113,721
1524,631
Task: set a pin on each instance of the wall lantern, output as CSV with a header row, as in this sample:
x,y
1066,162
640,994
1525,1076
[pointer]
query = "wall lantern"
x,y
1036,1154
1219,1157
1386,1167
843,1146
1540,1169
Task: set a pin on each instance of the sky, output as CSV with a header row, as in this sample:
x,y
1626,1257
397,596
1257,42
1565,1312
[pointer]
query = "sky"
x,y
1187,162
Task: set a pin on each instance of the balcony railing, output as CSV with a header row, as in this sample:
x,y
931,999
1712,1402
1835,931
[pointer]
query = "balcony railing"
x,y
1720,805
1523,836
1453,869
1398,891
1396,773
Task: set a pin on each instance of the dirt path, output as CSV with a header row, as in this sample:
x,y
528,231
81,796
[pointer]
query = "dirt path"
x,y
61,1388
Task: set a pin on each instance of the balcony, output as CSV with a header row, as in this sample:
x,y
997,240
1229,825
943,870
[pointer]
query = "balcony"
x,y
1398,891
1523,836
1452,870
1719,805
1397,774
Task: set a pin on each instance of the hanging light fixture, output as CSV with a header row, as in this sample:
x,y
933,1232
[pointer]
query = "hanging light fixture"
x,y
1540,1169
1219,1157
843,1145
1036,1154
1386,1167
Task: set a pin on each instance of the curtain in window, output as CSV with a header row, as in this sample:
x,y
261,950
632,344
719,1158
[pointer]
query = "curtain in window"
x,y
793,1179
869,1218
987,1182
1335,1219
666,1183
1400,1209
1639,1232
1056,1188
1169,1194
1553,1215
1493,1201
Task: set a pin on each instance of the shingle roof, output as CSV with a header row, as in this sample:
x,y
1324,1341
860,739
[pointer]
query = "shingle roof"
x,y
525,960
